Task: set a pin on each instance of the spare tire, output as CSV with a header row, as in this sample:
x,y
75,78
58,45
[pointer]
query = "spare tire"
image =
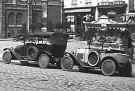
x,y
32,52
7,56
93,58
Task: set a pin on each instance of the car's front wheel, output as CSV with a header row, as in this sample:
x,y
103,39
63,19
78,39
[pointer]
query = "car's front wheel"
x,y
108,67
67,63
43,61
7,56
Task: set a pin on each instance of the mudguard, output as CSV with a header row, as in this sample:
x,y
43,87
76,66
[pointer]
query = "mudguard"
x,y
14,55
46,52
118,57
123,62
6,49
76,60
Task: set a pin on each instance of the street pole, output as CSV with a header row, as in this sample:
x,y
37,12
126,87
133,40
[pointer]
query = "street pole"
x,y
62,6
29,15
28,12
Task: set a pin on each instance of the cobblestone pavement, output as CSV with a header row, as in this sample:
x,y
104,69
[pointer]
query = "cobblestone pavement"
x,y
14,77
24,78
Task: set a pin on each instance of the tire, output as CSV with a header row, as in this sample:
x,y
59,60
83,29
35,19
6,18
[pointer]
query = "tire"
x,y
126,70
7,56
108,67
93,59
32,52
43,61
67,63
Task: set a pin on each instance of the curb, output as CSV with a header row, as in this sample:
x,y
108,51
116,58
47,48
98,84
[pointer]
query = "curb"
x,y
9,39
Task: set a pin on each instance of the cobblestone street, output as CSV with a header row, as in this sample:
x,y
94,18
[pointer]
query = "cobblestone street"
x,y
15,77
24,78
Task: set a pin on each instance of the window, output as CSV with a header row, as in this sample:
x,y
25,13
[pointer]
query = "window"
x,y
21,1
11,1
88,2
19,19
24,0
11,19
36,2
74,2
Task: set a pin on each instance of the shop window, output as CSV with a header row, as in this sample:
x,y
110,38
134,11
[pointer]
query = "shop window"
x,y
74,2
36,2
11,1
19,19
78,20
88,2
11,19
21,1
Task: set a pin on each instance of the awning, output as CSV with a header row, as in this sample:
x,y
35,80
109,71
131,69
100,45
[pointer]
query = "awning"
x,y
78,10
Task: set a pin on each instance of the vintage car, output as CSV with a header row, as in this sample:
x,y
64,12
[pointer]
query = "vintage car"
x,y
43,49
104,52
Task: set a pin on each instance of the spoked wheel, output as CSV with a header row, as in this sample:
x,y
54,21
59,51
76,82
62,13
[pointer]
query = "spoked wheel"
x,y
7,57
43,61
108,67
67,63
93,59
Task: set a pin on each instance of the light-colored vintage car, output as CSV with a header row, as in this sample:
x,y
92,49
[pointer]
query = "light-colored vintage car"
x,y
109,51
109,61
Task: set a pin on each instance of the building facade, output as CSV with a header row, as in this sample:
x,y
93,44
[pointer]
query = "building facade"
x,y
131,12
77,13
18,16
76,16
116,10
131,5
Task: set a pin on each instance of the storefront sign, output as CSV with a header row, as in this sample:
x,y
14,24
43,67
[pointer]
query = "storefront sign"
x,y
78,10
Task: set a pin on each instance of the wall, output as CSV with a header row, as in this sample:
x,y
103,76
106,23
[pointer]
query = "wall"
x,y
14,14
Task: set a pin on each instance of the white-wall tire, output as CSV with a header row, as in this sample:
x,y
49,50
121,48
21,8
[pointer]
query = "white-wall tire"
x,y
7,56
93,58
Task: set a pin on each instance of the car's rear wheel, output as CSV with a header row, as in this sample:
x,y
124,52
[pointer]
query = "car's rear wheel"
x,y
43,61
67,63
7,56
108,67
32,52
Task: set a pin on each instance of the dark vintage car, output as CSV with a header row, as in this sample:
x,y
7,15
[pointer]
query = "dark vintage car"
x,y
45,48
110,54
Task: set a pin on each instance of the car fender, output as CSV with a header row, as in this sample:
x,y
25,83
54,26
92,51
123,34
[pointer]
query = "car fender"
x,y
76,60
118,58
46,52
14,55
7,49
